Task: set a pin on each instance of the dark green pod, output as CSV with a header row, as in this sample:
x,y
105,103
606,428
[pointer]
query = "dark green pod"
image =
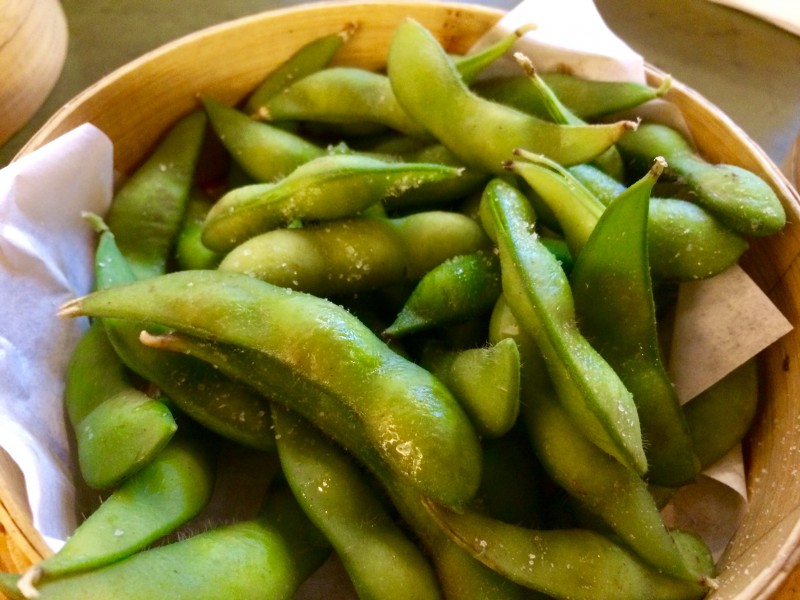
x,y
457,290
737,197
147,212
263,151
334,492
410,418
428,86
265,557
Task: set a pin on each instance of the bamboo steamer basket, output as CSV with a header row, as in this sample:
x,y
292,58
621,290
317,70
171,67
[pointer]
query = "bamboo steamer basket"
x,y
135,104
33,47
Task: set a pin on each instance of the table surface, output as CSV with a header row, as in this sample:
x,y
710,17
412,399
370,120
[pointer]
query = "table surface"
x,y
748,68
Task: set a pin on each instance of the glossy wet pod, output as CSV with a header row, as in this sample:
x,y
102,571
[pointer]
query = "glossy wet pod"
x,y
410,418
328,187
480,132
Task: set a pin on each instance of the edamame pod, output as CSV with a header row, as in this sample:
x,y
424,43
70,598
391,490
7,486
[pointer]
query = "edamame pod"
x,y
471,65
350,95
147,212
358,254
460,575
573,205
600,485
154,502
720,417
609,161
266,557
264,152
481,133
118,428
325,188
309,58
190,253
379,557
484,380
685,242
603,486
737,197
228,408
342,95
457,290
538,292
577,564
587,99
412,420
615,307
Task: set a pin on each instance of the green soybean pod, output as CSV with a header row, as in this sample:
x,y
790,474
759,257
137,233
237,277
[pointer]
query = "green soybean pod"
x,y
118,428
325,188
458,289
347,256
264,152
342,95
428,86
265,557
574,564
485,381
333,491
614,302
587,99
720,416
685,242
604,487
537,289
411,418
147,211
461,576
190,252
228,408
309,58
609,497
739,198
168,492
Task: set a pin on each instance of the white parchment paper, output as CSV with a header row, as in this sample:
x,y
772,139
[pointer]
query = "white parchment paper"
x,y
46,251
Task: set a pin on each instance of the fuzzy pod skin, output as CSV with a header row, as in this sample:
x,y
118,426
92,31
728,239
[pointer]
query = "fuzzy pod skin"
x,y
325,188
263,151
685,242
173,488
411,418
615,306
147,211
737,197
537,289
265,557
578,564
336,494
428,86
358,254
